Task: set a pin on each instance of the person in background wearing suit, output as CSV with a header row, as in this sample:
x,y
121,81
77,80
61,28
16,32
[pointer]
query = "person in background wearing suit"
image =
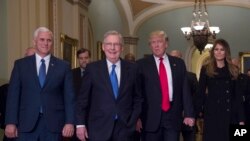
x,y
244,82
109,101
188,133
220,78
40,100
165,91
83,56
130,57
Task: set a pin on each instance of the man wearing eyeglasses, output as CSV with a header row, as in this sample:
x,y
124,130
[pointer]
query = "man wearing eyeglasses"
x,y
109,101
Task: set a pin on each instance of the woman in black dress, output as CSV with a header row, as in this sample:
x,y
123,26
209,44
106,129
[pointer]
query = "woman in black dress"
x,y
218,94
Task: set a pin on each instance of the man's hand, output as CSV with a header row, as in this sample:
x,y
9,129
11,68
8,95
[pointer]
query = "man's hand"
x,y
81,133
189,121
68,130
11,131
138,126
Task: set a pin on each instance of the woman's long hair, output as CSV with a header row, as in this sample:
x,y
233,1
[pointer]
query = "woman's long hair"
x,y
212,65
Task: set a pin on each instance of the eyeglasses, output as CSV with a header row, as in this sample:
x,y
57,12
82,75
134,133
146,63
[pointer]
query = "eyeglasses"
x,y
112,44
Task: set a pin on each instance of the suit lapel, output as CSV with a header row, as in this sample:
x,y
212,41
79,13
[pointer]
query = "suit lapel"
x,y
173,67
124,76
51,69
34,69
153,69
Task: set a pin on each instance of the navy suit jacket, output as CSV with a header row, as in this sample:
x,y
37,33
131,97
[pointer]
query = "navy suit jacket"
x,y
25,95
97,106
151,90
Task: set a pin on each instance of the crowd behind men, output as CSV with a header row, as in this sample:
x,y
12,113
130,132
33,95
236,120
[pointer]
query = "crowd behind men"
x,y
109,99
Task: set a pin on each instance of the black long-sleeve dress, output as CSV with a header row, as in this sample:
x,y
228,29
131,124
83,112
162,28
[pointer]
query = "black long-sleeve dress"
x,y
223,96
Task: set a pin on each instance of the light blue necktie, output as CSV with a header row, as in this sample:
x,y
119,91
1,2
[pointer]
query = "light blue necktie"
x,y
114,81
42,72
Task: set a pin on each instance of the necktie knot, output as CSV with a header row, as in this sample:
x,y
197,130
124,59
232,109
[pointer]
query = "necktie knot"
x,y
161,59
42,60
113,67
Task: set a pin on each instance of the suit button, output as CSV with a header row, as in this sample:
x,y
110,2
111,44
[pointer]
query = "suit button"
x,y
228,110
227,91
218,101
228,100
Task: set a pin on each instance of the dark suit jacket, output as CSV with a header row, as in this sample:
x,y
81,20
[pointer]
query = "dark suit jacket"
x,y
97,106
193,83
25,95
151,90
77,79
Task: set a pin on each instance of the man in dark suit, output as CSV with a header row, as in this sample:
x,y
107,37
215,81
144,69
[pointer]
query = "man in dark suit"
x,y
83,56
109,101
40,100
188,132
244,83
165,91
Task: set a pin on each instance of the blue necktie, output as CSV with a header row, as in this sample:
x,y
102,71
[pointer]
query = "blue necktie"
x,y
42,72
114,81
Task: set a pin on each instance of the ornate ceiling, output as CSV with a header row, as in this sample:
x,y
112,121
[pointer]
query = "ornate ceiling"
x,y
137,11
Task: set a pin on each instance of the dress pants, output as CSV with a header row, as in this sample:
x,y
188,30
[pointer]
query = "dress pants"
x,y
39,133
165,131
120,132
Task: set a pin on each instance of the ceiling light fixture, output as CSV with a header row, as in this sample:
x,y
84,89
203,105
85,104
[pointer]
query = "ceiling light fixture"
x,y
200,29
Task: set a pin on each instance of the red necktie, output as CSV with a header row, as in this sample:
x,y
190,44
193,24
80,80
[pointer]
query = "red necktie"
x,y
164,86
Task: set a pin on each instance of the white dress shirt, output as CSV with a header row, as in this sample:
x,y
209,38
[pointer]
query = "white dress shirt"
x,y
169,73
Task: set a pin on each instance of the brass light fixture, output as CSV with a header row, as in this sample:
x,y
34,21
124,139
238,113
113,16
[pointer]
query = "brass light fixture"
x,y
200,29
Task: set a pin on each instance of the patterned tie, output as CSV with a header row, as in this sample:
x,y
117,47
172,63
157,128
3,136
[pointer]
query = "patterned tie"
x,y
164,86
114,81
42,73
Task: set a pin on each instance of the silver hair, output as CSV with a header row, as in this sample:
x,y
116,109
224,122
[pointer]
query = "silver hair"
x,y
113,32
41,29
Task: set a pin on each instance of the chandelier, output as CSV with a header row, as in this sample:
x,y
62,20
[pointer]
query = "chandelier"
x,y
200,29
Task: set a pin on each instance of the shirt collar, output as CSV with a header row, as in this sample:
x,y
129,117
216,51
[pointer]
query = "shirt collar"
x,y
118,63
46,58
158,58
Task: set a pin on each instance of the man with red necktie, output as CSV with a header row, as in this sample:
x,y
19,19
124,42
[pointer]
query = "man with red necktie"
x,y
165,91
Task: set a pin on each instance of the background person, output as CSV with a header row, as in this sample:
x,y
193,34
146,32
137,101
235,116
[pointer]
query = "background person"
x,y
83,57
130,57
30,51
188,132
244,82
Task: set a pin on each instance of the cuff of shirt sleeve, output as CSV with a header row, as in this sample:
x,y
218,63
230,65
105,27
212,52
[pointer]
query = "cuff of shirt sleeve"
x,y
78,126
